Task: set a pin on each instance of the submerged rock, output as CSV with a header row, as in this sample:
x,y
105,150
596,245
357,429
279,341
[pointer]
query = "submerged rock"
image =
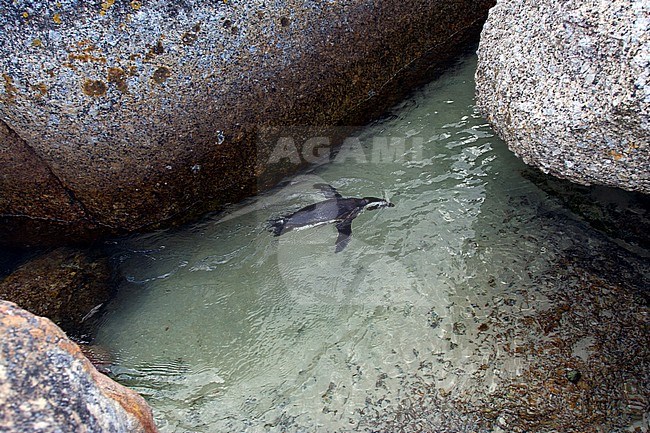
x,y
65,285
121,115
47,385
624,216
567,86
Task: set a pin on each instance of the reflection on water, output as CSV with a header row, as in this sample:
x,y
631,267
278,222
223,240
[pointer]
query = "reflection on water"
x,y
223,327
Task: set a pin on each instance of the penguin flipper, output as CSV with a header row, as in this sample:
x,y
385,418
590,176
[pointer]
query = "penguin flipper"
x,y
328,190
345,233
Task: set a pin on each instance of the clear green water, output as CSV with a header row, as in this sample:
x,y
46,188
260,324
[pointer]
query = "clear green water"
x,y
224,328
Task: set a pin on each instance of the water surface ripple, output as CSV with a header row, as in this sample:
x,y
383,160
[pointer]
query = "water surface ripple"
x,y
225,328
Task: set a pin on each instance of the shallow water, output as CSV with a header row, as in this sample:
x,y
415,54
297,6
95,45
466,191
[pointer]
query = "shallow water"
x,y
223,327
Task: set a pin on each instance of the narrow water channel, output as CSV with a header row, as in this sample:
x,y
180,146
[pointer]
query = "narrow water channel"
x,y
226,328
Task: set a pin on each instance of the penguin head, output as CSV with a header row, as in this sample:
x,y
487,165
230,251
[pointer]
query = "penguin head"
x,y
372,203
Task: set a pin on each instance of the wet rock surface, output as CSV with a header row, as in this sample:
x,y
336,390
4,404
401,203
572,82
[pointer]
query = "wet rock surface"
x,y
47,385
567,86
136,113
65,285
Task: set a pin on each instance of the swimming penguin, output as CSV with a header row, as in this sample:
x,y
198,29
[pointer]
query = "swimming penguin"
x,y
335,209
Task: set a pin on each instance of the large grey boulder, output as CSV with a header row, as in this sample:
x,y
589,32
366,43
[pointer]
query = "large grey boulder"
x,y
567,85
115,116
47,385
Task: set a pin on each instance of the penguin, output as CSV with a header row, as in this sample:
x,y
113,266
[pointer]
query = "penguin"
x,y
335,209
